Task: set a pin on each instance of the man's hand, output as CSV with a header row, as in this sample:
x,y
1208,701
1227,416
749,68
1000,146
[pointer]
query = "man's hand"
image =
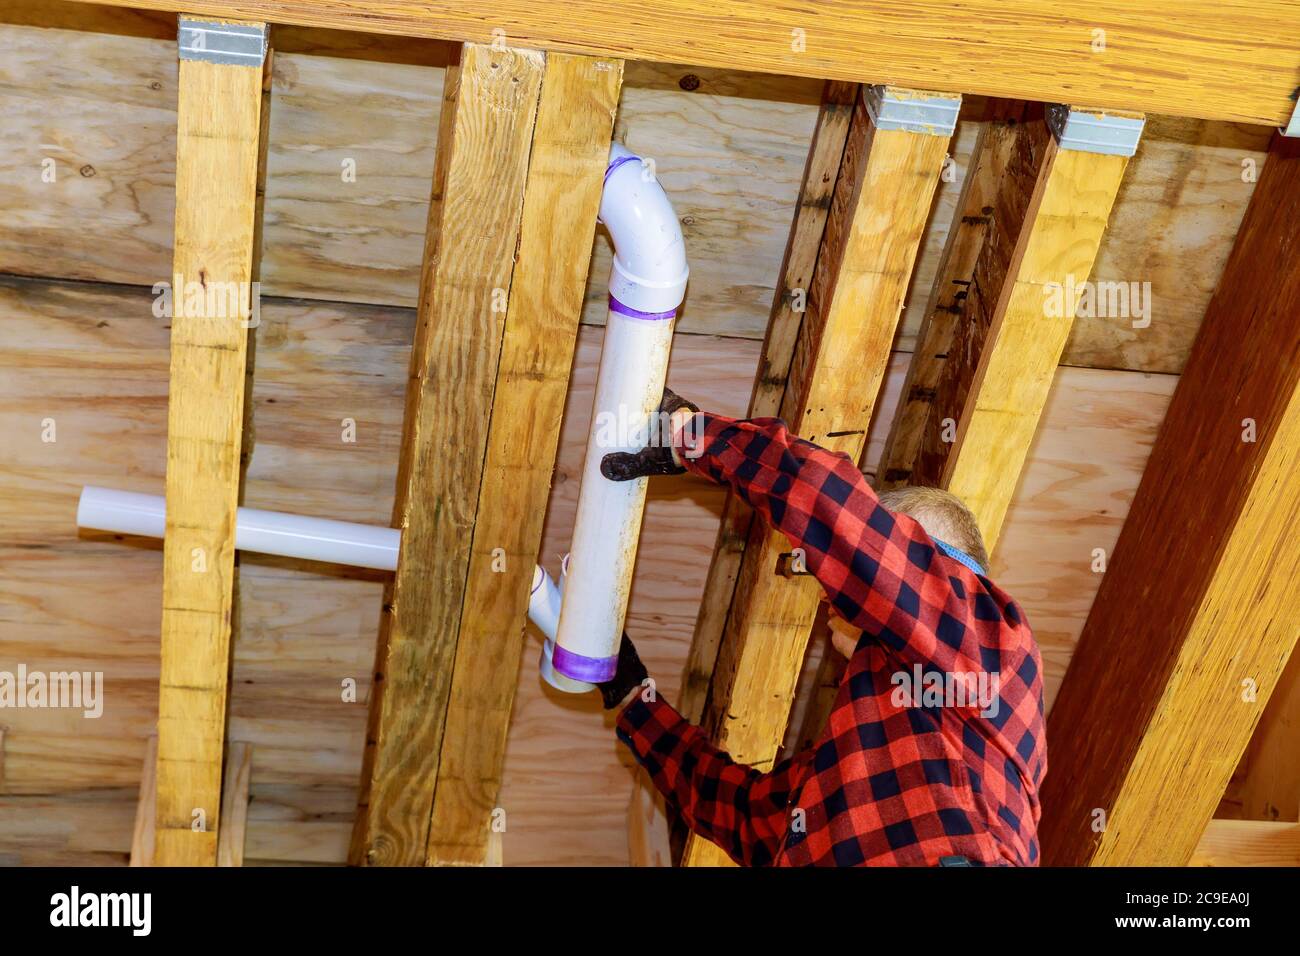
x,y
627,678
656,459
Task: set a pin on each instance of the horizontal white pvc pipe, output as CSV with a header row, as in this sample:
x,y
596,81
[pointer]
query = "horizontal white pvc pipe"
x,y
267,532
646,285
318,539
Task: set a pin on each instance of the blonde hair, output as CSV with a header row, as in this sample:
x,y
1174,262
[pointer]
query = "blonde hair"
x,y
943,515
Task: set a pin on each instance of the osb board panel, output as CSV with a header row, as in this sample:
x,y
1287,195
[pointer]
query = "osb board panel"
x,y
88,828
729,147
348,174
88,174
93,827
1082,471
1172,225
88,369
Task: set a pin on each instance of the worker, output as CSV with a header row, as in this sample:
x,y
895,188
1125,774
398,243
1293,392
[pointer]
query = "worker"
x,y
944,774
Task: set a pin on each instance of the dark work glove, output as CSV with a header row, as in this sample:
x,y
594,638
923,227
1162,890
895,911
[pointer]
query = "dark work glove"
x,y
627,676
653,459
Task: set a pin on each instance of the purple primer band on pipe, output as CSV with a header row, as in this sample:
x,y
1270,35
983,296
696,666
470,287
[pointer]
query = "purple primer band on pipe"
x,y
609,170
621,309
593,670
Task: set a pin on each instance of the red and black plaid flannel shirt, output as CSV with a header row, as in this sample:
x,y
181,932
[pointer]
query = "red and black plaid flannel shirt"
x,y
893,779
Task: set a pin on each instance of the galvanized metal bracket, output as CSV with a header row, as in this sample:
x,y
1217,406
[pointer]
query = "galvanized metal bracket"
x,y
236,44
1293,127
894,108
1095,132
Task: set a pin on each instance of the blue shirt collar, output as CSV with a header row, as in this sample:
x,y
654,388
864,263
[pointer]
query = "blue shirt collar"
x,y
961,557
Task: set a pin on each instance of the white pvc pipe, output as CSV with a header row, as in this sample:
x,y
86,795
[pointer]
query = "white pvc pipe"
x,y
646,285
267,532
544,603
319,539
544,611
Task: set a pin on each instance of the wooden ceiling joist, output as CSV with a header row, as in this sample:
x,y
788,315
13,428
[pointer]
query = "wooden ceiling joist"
x,y
88,16
485,134
975,217
788,306
1196,615
825,686
218,124
881,201
570,150
1051,206
1218,59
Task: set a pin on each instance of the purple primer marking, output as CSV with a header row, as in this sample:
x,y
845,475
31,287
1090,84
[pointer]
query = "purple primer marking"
x,y
609,170
621,309
593,670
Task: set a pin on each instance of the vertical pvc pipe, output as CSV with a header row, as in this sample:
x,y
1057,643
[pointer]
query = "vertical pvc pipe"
x,y
647,284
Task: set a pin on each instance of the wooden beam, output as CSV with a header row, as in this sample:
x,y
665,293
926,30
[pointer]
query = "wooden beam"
x,y
486,132
218,120
570,151
89,17
146,808
1248,843
1196,615
975,217
820,174
826,684
234,804
918,416
879,209
160,24
1031,220
1218,59
1052,206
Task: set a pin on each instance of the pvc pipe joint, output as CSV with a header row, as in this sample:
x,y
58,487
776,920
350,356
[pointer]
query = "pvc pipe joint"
x,y
318,539
649,272
544,611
